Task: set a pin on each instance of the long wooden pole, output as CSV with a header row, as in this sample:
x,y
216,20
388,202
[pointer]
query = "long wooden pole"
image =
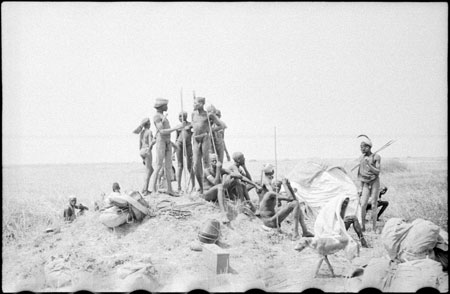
x,y
276,172
184,143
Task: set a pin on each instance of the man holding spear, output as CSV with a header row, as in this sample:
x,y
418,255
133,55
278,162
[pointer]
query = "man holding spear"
x,y
184,151
201,125
369,179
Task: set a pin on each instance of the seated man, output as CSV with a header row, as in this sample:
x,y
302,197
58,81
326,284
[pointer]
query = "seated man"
x,y
212,183
352,219
381,203
273,219
69,212
239,185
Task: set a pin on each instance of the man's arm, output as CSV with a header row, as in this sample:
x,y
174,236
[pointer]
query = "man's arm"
x,y
375,168
159,126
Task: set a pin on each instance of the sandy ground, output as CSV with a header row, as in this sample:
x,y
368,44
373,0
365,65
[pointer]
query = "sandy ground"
x,y
155,255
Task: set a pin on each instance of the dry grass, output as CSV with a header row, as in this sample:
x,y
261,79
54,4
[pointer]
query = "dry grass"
x,y
34,199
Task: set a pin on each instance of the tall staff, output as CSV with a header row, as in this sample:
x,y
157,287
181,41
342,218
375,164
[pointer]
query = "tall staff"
x,y
276,170
185,161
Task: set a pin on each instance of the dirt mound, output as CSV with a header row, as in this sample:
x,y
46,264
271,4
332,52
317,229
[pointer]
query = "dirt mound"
x,y
155,255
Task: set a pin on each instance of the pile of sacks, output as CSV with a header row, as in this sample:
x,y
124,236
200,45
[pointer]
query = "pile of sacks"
x,y
418,258
125,208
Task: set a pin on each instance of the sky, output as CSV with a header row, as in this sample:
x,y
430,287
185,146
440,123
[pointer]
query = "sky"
x,y
292,80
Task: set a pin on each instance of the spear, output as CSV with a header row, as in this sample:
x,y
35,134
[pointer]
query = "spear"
x,y
381,148
276,169
184,143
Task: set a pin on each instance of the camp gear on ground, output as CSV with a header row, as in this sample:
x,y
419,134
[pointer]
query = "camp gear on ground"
x,y
419,241
210,231
376,273
139,208
126,208
413,275
114,217
393,233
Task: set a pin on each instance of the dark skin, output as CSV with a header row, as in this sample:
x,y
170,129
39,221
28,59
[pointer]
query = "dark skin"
x,y
185,132
201,122
273,219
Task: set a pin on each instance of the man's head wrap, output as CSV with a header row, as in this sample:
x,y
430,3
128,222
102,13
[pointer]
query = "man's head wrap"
x,y
365,140
238,156
160,102
200,99
72,198
115,186
210,108
268,169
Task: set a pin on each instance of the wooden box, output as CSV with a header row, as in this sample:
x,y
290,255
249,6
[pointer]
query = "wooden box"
x,y
216,258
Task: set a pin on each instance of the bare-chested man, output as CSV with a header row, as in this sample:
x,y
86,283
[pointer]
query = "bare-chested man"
x,y
269,194
217,141
212,183
163,146
368,177
239,186
146,142
221,136
186,133
201,138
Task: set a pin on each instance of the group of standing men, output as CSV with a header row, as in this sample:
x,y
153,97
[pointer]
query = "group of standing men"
x,y
195,140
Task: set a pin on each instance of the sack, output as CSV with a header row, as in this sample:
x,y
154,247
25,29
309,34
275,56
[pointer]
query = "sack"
x,y
420,240
413,275
139,208
394,231
376,273
118,201
113,217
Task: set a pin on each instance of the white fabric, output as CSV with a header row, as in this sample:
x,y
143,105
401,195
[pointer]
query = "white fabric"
x,y
320,187
326,189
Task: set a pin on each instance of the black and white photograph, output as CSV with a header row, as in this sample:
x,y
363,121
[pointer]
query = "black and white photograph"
x,y
224,146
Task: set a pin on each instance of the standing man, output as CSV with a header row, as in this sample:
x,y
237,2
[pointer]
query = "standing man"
x,y
146,142
201,121
186,133
163,146
217,136
221,136
368,177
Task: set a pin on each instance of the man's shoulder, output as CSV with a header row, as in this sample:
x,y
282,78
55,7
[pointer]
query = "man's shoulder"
x,y
158,116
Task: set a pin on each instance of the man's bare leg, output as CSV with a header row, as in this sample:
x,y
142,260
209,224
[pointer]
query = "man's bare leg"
x,y
168,168
198,164
299,217
160,155
216,193
148,173
179,174
364,199
374,193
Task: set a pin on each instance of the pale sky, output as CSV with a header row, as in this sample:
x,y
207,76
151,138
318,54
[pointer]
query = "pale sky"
x,y
79,77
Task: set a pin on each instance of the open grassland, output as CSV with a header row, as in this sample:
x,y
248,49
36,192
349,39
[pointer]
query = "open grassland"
x,y
34,198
